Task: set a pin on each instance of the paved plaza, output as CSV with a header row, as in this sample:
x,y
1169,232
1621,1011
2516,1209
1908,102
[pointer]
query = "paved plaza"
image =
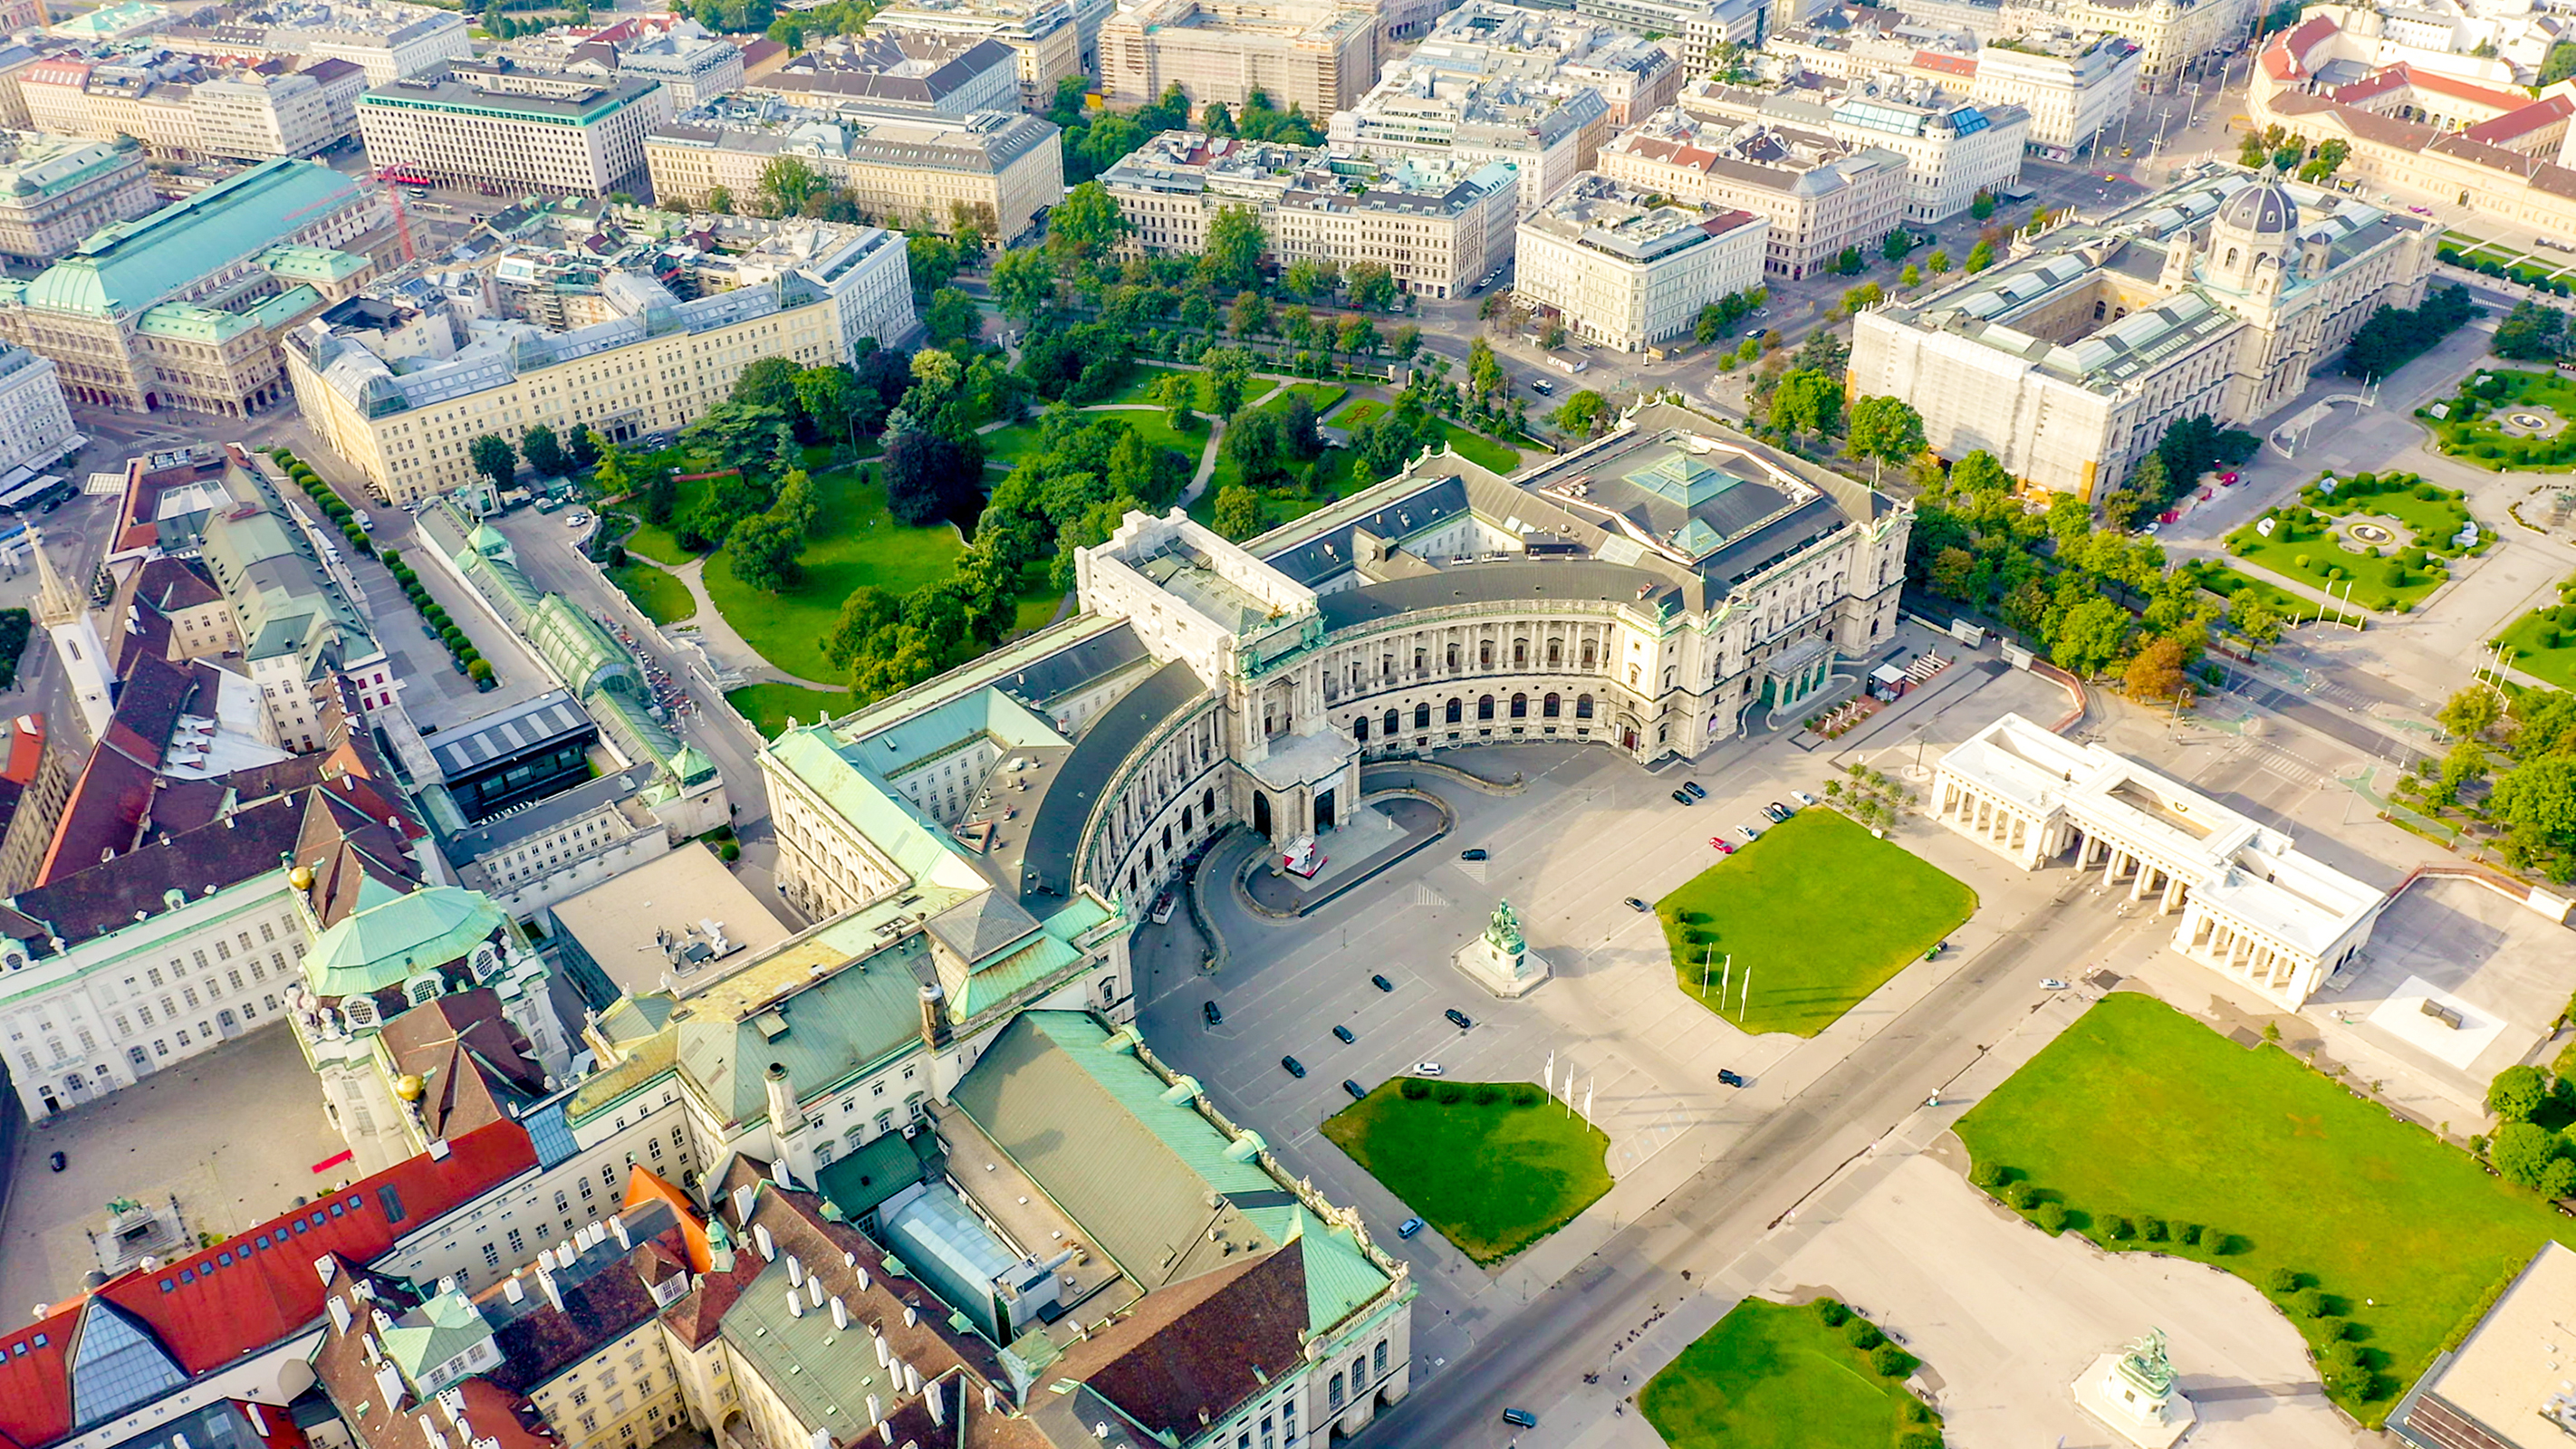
x,y
233,1135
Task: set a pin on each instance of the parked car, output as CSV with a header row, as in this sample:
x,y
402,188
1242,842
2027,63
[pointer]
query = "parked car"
x,y
1478,854
1748,832
1542,387
1682,797
1343,1035
1757,334
1426,1069
1718,844
1729,1077
1802,797
1408,1227
1214,1017
576,518
1381,983
1635,904
2230,480
1358,1092
1775,812
1693,787
1520,1418
2051,983
1457,1018
1295,1067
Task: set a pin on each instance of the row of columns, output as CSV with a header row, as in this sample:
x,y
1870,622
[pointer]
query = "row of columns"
x,y
2214,942
2145,876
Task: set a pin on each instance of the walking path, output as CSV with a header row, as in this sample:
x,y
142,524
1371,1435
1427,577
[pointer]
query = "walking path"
x,y
716,633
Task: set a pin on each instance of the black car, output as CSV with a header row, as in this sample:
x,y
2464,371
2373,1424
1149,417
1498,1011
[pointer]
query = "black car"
x,y
1775,812
1457,1018
1472,855
1295,1067
1542,387
1343,1035
1635,904
1723,1075
1381,983
1214,1016
1681,797
1696,792
1358,1092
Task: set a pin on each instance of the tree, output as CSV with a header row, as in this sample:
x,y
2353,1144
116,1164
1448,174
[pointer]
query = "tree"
x,y
1885,430
930,477
1357,336
768,382
2522,1151
720,200
1807,402
1238,511
1980,257
1086,224
544,454
2473,711
1554,335
796,502
1216,120
2537,798
1896,244
2093,637
951,317
2517,1093
2393,337
2157,673
735,434
826,394
1849,262
787,183
1023,283
1938,263
1404,342
1912,276
1863,297
493,457
1229,377
1254,445
1249,316
1235,241
1584,415
764,551
1484,372
1371,286
1979,473
2559,64
2532,332
2254,618
1983,206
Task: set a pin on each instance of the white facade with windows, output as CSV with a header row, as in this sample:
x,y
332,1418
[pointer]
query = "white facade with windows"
x,y
2073,86
1631,270
564,135
35,422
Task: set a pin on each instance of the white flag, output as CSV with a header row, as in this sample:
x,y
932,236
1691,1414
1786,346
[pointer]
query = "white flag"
x,y
1587,1097
1547,1079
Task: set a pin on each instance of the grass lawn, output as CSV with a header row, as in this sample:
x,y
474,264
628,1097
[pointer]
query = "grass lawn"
x,y
664,599
2319,560
2472,431
2434,520
856,543
1004,447
1474,447
2227,583
2139,1109
1493,1176
1819,911
654,541
1770,1376
768,706
1321,396
2543,644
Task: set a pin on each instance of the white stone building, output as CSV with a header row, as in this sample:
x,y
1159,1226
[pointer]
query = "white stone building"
x,y
1629,270
1546,129
1490,42
391,41
911,168
35,423
1953,148
1440,224
1050,39
2253,908
2217,295
562,135
1697,28
1317,56
2074,85
1820,194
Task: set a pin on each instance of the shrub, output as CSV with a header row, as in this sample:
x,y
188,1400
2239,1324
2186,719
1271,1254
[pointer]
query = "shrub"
x,y
1451,1093
2021,1195
2309,1302
480,671
2188,1233
1414,1089
2341,1359
2280,1280
1988,1175
2152,1229
1831,1311
2052,1216
1526,1096
1919,1439
1890,1362
1863,1334
2116,1227
1488,1094
2299,560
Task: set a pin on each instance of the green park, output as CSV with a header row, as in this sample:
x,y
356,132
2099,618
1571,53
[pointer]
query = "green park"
x,y
1792,930
1777,1376
1492,1166
2507,420
2542,643
2378,542
2145,1129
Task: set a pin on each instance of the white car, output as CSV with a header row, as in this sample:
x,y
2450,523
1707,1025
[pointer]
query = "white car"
x,y
2051,983
1802,797
576,520
1426,1069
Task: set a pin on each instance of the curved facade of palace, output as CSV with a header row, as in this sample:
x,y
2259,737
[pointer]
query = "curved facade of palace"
x,y
1650,592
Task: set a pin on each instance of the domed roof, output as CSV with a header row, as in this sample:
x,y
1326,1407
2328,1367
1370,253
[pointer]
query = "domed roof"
x,y
2261,208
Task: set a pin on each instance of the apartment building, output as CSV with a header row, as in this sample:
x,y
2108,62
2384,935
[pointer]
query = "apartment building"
x,y
1547,130
1819,193
1485,39
557,134
1953,148
182,108
1699,29
996,170
35,422
696,67
930,73
181,308
1439,224
810,291
2074,84
2171,36
1049,39
1318,56
388,40
56,190
1629,269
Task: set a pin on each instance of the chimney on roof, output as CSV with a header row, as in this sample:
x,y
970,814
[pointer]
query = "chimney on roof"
x,y
876,1410
795,1304
761,1239
911,1379
554,1295
512,1290
911,1316
624,1241
937,1404
840,1314
863,1275
795,1271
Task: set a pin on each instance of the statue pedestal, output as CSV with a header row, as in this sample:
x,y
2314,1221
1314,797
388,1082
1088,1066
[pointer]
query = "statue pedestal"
x,y
1499,969
2135,1413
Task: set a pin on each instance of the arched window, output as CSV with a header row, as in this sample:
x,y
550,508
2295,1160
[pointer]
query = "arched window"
x,y
1386,668
1583,706
1555,653
1422,716
1394,723
1632,676
1456,711
1520,706
1359,729
1520,654
1485,654
2231,256
1549,707
1484,706
1453,658
1588,656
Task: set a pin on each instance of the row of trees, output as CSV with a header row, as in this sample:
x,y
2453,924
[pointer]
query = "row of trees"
x,y
2394,337
2511,773
2533,332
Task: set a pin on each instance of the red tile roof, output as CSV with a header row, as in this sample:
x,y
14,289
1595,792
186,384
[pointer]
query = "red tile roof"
x,y
26,749
2467,90
2539,115
1946,64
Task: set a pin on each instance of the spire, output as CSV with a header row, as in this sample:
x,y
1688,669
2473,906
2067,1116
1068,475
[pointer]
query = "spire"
x,y
55,604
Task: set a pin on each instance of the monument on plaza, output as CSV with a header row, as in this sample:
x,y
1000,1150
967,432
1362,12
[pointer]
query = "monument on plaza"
x,y
2136,1393
1500,960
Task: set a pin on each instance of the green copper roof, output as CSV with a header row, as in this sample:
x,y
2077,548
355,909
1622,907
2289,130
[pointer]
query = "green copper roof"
x,y
132,265
382,945
433,1334
313,264
188,322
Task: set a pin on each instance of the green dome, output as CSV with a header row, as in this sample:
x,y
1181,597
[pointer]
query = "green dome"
x,y
386,944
